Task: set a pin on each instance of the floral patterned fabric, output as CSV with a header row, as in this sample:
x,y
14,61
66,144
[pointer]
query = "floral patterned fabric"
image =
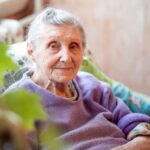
x,y
139,130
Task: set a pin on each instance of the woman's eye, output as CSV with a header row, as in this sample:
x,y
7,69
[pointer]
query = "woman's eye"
x,y
74,46
54,45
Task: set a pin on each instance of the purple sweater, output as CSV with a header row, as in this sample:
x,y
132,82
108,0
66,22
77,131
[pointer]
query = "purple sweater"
x,y
97,120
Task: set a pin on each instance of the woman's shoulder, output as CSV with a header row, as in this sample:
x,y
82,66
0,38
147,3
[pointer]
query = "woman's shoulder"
x,y
88,80
86,76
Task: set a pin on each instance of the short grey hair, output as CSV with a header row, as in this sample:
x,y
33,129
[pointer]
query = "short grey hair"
x,y
57,17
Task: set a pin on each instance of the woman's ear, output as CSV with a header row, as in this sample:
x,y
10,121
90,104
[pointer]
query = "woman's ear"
x,y
30,50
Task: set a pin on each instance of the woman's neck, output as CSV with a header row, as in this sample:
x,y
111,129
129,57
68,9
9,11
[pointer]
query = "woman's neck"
x,y
59,89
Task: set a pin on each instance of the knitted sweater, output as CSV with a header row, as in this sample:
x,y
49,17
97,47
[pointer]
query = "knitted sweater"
x,y
97,120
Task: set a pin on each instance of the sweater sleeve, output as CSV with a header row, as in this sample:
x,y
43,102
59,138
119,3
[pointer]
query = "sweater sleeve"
x,y
122,116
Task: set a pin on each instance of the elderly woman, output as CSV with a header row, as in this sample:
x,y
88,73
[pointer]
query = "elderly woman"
x,y
90,116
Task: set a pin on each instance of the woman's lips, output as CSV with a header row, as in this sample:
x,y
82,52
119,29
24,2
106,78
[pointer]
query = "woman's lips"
x,y
65,68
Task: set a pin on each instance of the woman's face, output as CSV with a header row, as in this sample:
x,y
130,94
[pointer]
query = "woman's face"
x,y
58,54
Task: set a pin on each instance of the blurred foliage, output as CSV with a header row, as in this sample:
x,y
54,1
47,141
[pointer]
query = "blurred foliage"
x,y
12,135
20,113
51,132
6,62
26,105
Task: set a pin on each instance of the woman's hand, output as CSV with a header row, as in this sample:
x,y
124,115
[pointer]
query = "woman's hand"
x,y
138,143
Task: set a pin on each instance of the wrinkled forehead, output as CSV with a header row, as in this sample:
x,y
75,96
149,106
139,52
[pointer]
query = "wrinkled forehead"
x,y
61,31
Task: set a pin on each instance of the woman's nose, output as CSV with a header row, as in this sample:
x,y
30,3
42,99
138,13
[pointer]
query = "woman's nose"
x,y
65,55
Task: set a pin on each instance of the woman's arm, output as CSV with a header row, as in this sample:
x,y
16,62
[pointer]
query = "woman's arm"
x,y
122,116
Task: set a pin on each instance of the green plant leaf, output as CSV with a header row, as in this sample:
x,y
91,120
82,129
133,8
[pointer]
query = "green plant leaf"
x,y
6,63
27,105
48,138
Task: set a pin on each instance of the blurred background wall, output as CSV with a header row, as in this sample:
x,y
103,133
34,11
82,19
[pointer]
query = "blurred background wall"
x,y
118,34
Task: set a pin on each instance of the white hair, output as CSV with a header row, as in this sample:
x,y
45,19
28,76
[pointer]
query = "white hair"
x,y
57,17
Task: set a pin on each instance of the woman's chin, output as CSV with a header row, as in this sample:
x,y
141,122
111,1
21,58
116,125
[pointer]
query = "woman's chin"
x,y
63,79
63,76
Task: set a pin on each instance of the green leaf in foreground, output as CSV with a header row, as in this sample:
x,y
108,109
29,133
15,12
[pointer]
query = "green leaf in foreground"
x,y
48,138
6,63
27,105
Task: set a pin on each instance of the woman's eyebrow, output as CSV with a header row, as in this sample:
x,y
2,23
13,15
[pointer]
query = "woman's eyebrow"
x,y
59,38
